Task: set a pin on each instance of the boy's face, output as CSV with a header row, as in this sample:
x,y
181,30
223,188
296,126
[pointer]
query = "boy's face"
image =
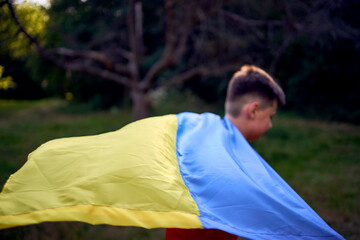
x,y
261,122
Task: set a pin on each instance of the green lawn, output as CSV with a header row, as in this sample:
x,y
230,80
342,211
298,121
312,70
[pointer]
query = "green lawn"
x,y
320,160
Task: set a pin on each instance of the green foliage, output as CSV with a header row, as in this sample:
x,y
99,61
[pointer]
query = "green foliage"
x,y
91,25
78,23
14,50
322,82
15,82
6,82
318,71
32,16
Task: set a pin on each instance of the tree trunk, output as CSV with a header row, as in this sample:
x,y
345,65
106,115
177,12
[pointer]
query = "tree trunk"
x,y
141,104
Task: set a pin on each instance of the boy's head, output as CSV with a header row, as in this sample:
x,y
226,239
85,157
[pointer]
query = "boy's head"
x,y
252,99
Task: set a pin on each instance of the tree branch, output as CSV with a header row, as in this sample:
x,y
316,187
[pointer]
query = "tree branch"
x,y
174,48
86,54
134,60
115,50
290,19
88,68
280,51
71,53
185,28
251,22
99,72
28,36
139,31
124,53
123,69
203,72
185,76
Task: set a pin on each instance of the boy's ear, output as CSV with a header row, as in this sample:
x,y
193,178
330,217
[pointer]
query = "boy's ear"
x,y
251,109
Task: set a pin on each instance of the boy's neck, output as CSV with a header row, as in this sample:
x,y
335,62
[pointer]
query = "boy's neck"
x,y
240,123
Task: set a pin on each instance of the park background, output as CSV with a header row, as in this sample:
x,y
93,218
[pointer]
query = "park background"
x,y
73,68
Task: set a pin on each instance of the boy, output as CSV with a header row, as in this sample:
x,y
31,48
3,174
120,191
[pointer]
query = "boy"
x,y
184,171
252,99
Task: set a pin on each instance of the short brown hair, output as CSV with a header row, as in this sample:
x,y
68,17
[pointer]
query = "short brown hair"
x,y
251,83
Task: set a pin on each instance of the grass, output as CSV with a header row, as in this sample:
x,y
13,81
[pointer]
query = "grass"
x,y
26,125
320,160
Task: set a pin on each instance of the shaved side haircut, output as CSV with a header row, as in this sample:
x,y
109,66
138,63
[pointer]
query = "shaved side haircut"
x,y
251,83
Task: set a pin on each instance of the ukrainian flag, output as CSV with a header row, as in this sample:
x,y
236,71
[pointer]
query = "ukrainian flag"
x,y
176,171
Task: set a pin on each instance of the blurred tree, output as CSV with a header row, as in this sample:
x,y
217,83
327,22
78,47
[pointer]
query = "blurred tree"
x,y
15,49
149,45
6,82
321,70
33,18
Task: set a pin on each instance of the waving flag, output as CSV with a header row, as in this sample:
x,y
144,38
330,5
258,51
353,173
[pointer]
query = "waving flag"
x,y
176,171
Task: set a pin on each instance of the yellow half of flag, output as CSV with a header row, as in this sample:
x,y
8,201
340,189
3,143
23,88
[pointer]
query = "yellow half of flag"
x,y
117,178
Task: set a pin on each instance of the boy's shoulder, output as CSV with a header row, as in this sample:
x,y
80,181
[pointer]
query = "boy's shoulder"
x,y
194,117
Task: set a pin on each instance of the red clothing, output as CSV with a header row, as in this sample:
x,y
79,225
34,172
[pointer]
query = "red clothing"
x,y
197,234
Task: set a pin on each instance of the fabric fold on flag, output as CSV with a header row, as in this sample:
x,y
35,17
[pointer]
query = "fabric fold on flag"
x,y
176,171
235,189
128,177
